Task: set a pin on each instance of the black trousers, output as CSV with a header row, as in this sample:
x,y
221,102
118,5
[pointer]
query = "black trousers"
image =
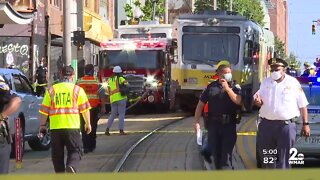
x,y
89,140
221,139
5,150
71,139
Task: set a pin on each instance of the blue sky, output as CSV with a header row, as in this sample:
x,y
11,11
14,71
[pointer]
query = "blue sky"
x,y
301,41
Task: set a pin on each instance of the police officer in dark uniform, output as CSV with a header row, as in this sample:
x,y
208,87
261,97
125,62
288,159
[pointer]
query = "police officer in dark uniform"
x,y
41,77
224,102
291,70
9,104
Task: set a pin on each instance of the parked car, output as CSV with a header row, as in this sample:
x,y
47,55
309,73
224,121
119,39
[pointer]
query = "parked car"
x,y
28,111
310,146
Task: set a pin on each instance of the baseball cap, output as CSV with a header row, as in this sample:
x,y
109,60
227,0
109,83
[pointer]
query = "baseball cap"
x,y
67,71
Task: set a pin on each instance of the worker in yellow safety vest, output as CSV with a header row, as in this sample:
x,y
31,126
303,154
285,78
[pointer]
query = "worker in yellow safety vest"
x,y
63,103
118,99
96,95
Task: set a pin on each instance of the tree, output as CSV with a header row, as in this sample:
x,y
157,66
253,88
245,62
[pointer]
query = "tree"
x,y
147,9
279,47
292,60
249,8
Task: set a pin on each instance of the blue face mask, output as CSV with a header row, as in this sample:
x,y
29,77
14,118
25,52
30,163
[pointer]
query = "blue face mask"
x,y
228,77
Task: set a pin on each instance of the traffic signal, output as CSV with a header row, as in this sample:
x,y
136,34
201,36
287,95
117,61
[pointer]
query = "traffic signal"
x,y
313,29
78,38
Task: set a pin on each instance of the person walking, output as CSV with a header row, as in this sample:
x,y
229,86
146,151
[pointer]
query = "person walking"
x,y
96,95
41,78
117,99
281,100
63,103
224,102
9,104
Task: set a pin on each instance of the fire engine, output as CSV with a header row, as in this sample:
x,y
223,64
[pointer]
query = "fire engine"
x,y
203,40
144,53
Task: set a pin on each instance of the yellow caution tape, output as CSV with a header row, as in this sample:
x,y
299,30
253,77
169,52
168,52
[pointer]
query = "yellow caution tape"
x,y
174,132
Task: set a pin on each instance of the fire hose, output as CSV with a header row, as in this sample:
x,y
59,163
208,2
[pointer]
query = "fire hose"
x,y
137,100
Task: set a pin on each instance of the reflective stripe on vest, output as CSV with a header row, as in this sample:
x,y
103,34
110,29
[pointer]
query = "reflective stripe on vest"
x,y
90,85
116,90
61,116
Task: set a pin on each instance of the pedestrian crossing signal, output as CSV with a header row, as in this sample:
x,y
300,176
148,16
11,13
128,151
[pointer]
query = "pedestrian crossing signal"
x,y
313,29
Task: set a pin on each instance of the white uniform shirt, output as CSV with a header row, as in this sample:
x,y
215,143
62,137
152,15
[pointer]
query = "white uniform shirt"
x,y
281,101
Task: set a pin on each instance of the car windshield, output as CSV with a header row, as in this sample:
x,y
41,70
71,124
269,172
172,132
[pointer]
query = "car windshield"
x,y
210,47
150,59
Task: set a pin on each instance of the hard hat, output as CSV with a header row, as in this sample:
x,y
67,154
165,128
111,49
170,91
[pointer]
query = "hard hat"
x,y
89,69
117,69
312,66
306,64
222,62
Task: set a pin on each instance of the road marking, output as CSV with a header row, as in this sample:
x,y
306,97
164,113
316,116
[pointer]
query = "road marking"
x,y
252,133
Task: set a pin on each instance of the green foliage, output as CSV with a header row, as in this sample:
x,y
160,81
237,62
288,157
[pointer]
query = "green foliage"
x,y
293,61
279,47
147,9
128,11
251,9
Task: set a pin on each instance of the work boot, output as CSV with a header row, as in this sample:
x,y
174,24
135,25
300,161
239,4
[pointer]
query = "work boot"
x,y
70,169
122,132
107,132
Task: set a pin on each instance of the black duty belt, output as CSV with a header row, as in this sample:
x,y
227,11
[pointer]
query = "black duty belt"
x,y
223,118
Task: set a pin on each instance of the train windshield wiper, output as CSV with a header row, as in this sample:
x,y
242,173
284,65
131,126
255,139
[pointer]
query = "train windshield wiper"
x,y
202,62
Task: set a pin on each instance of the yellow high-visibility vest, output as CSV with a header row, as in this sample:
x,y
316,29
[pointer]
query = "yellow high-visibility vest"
x,y
63,103
113,89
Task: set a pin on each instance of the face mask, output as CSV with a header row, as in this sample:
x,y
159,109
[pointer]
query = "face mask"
x,y
228,77
276,75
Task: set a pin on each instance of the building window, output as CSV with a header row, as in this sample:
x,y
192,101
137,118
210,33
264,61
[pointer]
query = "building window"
x,y
96,6
87,3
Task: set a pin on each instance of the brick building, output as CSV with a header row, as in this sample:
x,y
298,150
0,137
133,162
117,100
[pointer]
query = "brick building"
x,y
278,11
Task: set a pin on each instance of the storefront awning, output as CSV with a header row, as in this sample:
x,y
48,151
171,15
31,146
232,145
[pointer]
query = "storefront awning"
x,y
9,16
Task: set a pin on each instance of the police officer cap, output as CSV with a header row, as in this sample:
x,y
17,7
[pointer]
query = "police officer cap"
x,y
88,69
67,71
277,62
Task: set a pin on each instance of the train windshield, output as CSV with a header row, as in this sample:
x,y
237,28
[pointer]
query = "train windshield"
x,y
146,59
210,48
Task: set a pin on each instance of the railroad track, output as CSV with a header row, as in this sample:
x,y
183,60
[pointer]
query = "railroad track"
x,y
124,158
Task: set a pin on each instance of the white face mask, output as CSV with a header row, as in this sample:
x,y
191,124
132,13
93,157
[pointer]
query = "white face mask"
x,y
228,77
276,75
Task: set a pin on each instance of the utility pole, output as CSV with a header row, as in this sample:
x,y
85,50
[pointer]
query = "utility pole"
x,y
230,5
154,9
67,32
167,12
214,4
80,53
48,39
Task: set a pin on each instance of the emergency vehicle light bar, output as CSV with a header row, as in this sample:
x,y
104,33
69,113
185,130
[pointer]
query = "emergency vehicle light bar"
x,y
136,44
309,80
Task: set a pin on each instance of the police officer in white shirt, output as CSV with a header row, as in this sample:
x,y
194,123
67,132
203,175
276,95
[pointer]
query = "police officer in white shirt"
x,y
282,100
